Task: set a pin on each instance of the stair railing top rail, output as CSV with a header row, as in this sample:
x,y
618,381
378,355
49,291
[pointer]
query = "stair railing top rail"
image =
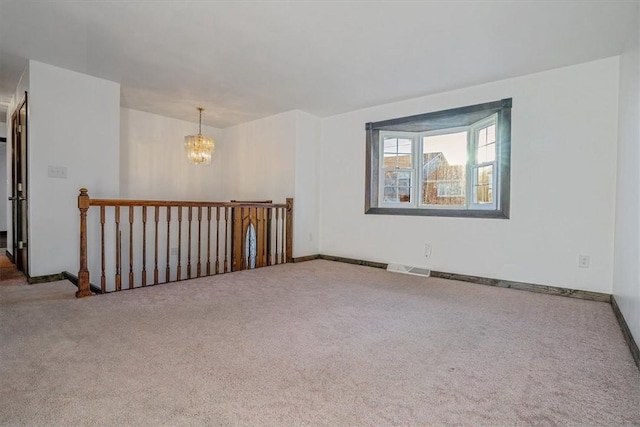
x,y
186,203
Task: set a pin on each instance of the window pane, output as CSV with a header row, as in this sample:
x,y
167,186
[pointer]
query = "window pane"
x,y
481,154
397,152
397,178
491,134
390,153
483,187
404,145
397,187
391,145
397,194
486,153
490,152
444,160
391,179
389,161
484,175
390,194
482,136
404,194
450,189
404,179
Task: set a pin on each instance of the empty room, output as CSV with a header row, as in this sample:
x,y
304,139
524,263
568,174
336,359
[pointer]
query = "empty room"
x,y
340,213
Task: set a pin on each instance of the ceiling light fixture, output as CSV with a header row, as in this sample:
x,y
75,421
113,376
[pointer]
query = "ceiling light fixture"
x,y
199,147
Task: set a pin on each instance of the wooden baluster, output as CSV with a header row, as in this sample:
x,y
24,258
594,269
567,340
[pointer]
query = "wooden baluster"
x,y
189,247
267,236
118,247
179,269
282,240
103,276
155,268
168,271
240,252
259,239
289,254
209,241
144,246
226,237
256,229
277,246
83,272
217,239
263,236
199,268
130,247
269,226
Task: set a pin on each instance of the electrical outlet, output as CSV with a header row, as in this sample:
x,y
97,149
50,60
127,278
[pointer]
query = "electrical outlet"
x,y
57,172
584,261
174,251
427,250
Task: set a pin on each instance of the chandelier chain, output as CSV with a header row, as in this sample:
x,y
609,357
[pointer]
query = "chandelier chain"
x,y
200,121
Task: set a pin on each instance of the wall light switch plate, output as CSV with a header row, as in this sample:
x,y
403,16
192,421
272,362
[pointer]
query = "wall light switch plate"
x,y
57,172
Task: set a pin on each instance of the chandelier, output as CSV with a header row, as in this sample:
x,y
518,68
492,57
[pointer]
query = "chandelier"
x,y
199,147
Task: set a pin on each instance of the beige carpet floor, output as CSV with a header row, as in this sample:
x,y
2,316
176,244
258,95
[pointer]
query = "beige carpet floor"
x,y
314,343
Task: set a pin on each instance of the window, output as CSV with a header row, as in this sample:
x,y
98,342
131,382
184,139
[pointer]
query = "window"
x,y
447,163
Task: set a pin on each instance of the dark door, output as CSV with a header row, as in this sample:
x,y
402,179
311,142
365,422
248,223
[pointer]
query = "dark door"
x,y
19,193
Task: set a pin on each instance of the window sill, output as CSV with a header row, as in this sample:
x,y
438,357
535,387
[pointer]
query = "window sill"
x,y
452,213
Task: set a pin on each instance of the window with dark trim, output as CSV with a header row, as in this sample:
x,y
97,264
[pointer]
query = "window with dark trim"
x,y
453,163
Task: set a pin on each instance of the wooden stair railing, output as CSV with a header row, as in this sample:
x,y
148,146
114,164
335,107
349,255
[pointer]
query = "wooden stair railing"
x,y
237,236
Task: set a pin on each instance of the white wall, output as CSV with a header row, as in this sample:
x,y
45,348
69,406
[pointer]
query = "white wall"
x,y
3,178
271,158
276,158
564,127
626,279
306,221
258,159
74,121
153,163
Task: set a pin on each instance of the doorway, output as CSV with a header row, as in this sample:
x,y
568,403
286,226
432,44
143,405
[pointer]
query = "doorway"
x,y
19,190
3,189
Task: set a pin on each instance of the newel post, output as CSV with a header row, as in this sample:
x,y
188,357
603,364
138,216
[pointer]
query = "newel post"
x,y
83,273
289,248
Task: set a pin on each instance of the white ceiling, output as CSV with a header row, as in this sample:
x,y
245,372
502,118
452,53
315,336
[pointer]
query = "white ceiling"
x,y
243,60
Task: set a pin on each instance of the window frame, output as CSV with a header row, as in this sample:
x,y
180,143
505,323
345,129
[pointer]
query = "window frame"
x,y
412,170
443,122
474,129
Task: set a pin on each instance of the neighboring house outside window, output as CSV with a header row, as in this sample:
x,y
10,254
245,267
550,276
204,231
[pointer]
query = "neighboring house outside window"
x,y
448,163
